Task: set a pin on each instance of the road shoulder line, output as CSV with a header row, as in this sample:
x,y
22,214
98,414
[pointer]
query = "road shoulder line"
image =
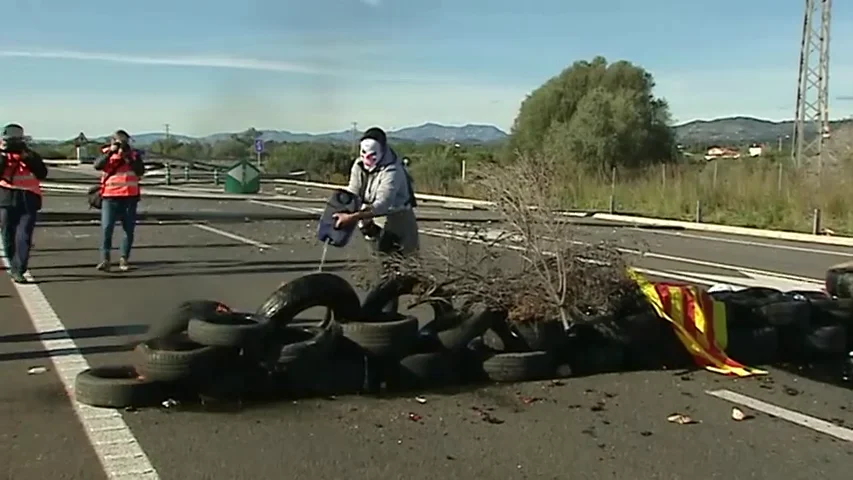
x,y
115,445
792,416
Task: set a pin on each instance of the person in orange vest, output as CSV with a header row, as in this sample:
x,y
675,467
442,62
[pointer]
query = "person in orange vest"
x,y
121,167
21,173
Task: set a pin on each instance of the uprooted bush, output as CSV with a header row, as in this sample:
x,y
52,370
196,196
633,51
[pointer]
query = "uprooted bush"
x,y
532,265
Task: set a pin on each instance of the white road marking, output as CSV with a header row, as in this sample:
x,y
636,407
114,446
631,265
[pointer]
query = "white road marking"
x,y
723,266
791,282
792,416
233,236
118,450
747,242
646,271
753,280
287,207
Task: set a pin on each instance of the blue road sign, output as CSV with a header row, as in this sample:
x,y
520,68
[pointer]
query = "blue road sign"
x,y
259,145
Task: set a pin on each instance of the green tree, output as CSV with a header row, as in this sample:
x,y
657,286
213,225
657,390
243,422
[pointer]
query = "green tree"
x,y
597,116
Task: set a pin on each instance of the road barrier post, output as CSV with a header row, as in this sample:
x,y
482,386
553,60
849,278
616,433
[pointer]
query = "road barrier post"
x,y
698,211
816,222
186,173
168,174
612,205
216,177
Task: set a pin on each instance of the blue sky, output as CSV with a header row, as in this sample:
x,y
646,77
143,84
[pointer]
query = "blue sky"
x,y
318,65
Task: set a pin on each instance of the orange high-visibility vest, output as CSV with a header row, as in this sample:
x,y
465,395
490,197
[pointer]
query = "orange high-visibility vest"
x,y
699,322
17,176
118,179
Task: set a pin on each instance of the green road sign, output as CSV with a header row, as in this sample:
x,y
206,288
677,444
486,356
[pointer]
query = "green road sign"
x,y
243,177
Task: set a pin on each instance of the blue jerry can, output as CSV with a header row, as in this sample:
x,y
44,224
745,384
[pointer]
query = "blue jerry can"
x,y
340,201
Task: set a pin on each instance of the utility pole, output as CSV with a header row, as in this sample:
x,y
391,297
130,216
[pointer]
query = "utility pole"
x,y
355,138
813,87
168,140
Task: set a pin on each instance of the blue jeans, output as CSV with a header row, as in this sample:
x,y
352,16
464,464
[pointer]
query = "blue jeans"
x,y
113,209
16,229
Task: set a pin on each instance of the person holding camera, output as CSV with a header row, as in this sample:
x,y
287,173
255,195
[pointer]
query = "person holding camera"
x,y
121,168
21,173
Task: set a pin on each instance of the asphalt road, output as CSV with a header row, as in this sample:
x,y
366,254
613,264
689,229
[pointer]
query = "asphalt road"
x,y
610,426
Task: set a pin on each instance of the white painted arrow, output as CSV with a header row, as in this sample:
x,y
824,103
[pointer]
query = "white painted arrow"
x,y
751,279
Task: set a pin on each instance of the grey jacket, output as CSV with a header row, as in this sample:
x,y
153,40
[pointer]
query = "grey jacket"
x,y
386,191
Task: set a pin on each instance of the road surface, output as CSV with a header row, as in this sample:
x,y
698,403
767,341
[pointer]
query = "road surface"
x,y
603,427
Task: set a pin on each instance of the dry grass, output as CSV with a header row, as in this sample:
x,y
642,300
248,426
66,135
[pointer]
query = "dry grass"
x,y
747,192
557,278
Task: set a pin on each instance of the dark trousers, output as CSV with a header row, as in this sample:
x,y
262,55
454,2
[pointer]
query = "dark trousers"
x,y
17,225
123,210
389,244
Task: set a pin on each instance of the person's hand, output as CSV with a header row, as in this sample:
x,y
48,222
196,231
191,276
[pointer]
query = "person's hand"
x,y
114,147
343,220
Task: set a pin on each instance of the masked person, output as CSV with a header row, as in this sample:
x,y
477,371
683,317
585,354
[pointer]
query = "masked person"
x,y
21,173
121,167
379,178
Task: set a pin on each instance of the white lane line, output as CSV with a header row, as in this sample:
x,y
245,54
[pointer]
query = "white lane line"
x,y
792,416
782,277
233,236
287,207
747,243
704,263
118,450
646,271
674,276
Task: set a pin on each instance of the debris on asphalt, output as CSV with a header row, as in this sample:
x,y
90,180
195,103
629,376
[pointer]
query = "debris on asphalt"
x,y
415,417
681,419
738,415
421,400
487,417
36,370
529,400
169,403
790,391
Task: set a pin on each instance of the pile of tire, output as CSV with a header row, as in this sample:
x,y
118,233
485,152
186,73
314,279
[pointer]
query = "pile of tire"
x,y
206,349
767,326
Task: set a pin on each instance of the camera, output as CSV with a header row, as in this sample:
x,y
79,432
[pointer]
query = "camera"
x,y
14,145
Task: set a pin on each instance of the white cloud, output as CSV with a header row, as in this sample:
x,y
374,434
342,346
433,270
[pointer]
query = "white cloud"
x,y
180,61
321,68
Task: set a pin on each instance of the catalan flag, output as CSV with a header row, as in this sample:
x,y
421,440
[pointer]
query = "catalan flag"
x,y
699,322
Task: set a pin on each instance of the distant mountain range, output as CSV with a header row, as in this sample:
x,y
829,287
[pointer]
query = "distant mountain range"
x,y
740,130
426,133
730,130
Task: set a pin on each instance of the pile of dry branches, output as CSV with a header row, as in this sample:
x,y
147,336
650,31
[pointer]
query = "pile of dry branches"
x,y
531,264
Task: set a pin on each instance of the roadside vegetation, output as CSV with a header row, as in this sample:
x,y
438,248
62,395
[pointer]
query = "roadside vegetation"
x,y
608,136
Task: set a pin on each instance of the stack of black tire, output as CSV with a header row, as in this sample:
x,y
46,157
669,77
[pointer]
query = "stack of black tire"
x,y
767,326
207,350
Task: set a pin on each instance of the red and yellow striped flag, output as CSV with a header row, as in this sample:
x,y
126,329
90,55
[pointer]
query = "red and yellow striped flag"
x,y
699,322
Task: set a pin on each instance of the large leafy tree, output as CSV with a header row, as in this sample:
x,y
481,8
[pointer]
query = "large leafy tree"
x,y
598,116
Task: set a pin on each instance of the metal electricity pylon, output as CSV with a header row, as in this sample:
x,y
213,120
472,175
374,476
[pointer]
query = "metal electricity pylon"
x,y
813,87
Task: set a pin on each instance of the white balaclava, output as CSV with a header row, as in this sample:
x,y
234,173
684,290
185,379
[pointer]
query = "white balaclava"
x,y
371,152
